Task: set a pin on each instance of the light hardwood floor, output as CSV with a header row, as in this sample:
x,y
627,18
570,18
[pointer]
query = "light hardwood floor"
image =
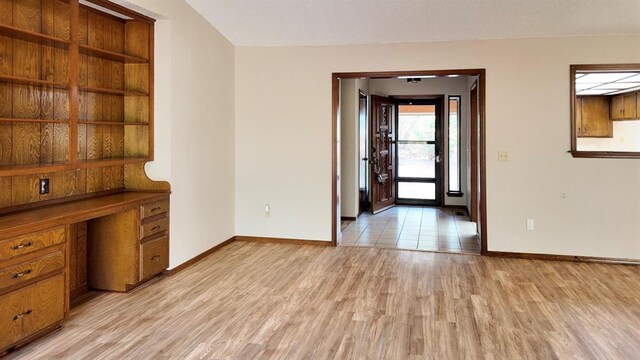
x,y
263,301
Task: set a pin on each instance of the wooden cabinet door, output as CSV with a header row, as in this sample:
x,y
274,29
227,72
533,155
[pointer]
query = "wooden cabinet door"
x,y
595,117
624,107
629,110
578,116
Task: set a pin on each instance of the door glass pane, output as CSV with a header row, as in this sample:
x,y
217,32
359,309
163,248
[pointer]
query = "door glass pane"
x,y
416,160
417,122
411,190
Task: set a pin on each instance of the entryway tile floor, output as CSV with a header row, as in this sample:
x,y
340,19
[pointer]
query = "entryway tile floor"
x,y
414,228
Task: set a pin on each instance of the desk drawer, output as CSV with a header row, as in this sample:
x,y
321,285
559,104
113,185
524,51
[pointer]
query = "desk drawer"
x,y
27,243
20,273
154,209
154,227
154,257
31,309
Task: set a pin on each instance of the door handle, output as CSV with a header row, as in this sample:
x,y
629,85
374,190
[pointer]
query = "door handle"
x,y
438,158
365,159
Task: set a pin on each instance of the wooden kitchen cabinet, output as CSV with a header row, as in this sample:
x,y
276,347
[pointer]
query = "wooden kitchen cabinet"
x,y
592,117
624,106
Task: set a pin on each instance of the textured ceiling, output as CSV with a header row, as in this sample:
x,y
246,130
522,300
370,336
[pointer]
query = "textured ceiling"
x,y
331,22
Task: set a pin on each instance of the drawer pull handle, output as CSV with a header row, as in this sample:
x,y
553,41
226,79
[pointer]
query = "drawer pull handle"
x,y
155,228
155,257
156,209
22,246
21,274
19,316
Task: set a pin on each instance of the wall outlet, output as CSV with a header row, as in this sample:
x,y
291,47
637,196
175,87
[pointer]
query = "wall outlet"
x,y
44,186
531,224
267,209
503,155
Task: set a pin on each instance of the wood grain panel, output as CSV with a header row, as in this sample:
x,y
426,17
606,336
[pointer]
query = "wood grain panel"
x,y
136,141
94,180
6,12
78,256
27,15
116,36
67,183
46,143
5,192
61,143
24,189
82,142
26,143
137,77
6,144
94,142
136,109
6,55
61,20
137,39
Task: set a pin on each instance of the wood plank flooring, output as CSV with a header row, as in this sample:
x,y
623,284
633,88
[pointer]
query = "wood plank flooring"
x,y
278,301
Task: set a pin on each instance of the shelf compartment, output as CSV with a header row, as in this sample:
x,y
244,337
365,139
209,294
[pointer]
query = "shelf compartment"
x,y
85,164
28,169
111,91
16,33
41,121
27,81
111,55
81,122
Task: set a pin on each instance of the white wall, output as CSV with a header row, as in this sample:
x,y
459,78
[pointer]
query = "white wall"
x,y
283,141
626,137
194,127
437,86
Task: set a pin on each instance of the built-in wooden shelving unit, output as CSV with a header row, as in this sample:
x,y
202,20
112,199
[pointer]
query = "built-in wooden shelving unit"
x,y
76,96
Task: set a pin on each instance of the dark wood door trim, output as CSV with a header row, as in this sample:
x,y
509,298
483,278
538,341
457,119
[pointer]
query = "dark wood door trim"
x,y
335,82
473,146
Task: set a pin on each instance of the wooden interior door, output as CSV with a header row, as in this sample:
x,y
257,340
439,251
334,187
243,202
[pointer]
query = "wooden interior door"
x,y
383,182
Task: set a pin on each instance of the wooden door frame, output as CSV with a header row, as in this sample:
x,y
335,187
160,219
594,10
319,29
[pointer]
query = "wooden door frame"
x,y
473,146
335,107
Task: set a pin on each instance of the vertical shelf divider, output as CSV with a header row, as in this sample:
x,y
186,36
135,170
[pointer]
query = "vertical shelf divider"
x,y
74,81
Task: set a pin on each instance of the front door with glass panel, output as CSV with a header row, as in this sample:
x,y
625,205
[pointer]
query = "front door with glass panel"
x,y
418,153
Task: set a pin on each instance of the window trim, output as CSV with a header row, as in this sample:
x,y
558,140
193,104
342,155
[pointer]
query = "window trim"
x,y
573,69
452,193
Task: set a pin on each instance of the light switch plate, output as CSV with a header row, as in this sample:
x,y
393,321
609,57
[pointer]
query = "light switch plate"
x,y
503,155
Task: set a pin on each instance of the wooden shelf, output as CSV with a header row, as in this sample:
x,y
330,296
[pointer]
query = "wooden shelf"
x,y
42,121
27,81
31,36
14,170
112,123
111,91
85,164
111,55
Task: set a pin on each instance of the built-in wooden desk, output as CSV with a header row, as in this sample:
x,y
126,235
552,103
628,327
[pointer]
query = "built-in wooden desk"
x,y
50,254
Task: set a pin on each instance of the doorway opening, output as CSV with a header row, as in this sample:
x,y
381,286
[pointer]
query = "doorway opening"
x,y
410,145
